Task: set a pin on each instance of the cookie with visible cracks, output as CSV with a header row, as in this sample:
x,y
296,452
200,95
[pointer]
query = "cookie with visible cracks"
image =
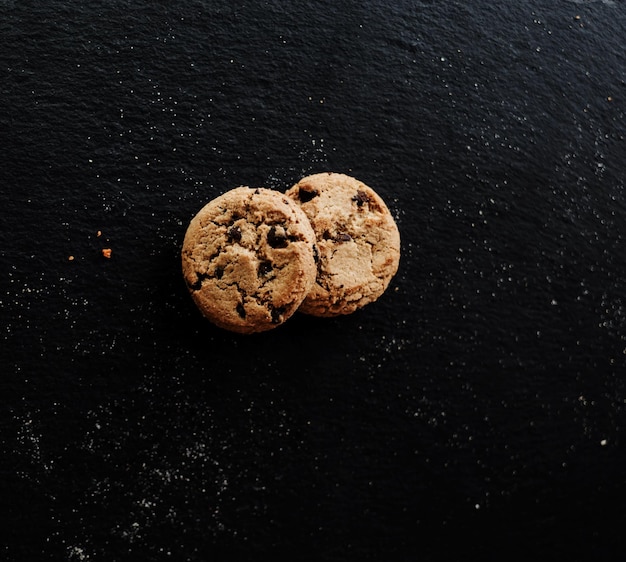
x,y
248,259
358,242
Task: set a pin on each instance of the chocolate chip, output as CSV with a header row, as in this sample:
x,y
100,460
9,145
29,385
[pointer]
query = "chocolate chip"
x,y
197,285
277,313
234,234
360,198
306,194
339,237
241,310
277,238
343,237
265,267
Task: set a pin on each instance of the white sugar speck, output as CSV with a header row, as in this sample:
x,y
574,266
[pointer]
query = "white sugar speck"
x,y
77,553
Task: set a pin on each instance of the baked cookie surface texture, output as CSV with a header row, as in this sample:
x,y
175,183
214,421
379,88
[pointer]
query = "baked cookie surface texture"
x,y
357,239
248,259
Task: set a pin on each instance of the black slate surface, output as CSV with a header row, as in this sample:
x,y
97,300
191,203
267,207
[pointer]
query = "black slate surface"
x,y
475,412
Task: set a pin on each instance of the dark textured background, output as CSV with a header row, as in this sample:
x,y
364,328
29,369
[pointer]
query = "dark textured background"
x,y
476,411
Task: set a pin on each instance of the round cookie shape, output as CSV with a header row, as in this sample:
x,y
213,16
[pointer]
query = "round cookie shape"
x,y
357,239
248,259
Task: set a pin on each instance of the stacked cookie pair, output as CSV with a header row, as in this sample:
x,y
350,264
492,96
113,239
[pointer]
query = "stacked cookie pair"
x,y
252,257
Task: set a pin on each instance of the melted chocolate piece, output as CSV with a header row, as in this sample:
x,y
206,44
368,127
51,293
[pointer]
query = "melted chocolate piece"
x,y
198,283
339,237
305,195
241,310
234,234
360,198
343,237
265,267
277,239
277,313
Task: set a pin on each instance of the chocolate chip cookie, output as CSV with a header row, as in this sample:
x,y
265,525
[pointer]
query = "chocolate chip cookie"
x,y
248,259
357,239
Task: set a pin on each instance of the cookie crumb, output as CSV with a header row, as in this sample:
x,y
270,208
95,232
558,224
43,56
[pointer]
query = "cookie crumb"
x,y
99,233
106,252
70,258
